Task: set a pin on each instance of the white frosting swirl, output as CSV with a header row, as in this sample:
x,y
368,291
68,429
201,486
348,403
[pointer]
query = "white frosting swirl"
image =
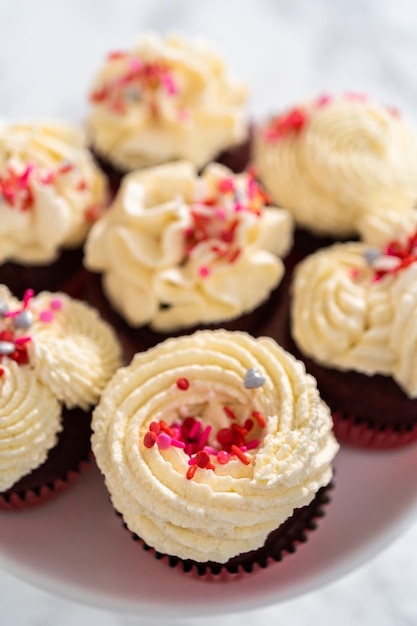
x,y
30,418
345,317
53,350
165,99
348,168
50,190
221,513
75,353
176,251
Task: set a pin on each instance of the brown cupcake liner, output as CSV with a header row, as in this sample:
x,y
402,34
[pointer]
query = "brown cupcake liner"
x,y
21,500
348,429
281,542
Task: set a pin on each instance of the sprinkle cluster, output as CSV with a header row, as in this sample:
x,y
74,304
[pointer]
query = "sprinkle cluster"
x,y
17,188
11,346
396,256
216,218
12,322
292,122
192,436
141,81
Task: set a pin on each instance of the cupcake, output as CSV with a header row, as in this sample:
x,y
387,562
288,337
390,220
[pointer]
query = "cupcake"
x,y
177,250
50,193
216,451
56,355
345,166
167,99
354,321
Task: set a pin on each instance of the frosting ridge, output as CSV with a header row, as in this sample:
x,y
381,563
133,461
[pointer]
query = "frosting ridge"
x,y
215,497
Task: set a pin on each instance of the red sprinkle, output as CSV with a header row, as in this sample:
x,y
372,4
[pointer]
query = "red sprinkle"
x,y
229,412
183,384
149,439
259,418
240,455
191,471
1,371
202,459
155,427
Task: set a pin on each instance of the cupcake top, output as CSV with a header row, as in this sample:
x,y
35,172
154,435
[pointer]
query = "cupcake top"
x,y
345,166
54,351
165,99
354,308
50,191
178,249
208,442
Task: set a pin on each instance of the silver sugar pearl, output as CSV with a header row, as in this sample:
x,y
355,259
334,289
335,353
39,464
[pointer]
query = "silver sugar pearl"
x,y
371,255
24,319
3,308
6,347
253,379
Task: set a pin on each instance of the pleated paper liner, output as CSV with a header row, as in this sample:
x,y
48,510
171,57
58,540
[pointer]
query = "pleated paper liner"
x,y
283,541
349,430
62,468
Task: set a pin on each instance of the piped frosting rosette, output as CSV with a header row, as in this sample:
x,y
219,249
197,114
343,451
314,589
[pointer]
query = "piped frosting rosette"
x,y
354,308
50,191
177,249
210,441
54,352
344,166
163,100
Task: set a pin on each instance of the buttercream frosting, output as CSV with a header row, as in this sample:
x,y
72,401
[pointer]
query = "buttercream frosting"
x,y
177,249
345,166
50,191
212,501
354,308
54,351
165,99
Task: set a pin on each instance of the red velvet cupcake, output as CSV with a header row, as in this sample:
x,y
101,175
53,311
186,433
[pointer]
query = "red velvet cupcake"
x,y
353,320
178,250
50,193
167,99
216,450
56,355
344,166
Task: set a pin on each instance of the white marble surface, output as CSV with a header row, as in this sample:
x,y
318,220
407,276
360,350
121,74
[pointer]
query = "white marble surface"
x,y
286,51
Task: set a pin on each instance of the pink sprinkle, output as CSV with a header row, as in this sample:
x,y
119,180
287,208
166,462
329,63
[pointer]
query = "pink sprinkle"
x,y
48,178
354,273
25,176
135,65
169,85
210,450
192,461
56,304
22,340
223,457
323,100
27,296
253,443
177,444
239,207
204,437
204,271
164,441
220,213
46,316
194,429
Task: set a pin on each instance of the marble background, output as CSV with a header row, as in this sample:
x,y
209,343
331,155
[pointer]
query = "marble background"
x,y
285,51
